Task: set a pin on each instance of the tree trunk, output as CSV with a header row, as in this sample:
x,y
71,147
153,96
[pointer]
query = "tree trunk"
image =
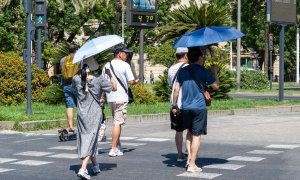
x,y
118,8
266,56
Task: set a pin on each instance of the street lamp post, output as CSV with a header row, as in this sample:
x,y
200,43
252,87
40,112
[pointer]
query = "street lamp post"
x,y
238,51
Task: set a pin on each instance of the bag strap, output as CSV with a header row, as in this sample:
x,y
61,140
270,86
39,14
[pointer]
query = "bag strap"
x,y
177,73
111,67
193,77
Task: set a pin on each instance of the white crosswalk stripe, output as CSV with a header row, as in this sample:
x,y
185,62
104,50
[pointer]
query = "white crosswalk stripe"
x,y
127,138
281,146
5,170
246,158
132,144
33,153
32,162
5,160
264,152
153,139
200,175
65,156
224,166
64,147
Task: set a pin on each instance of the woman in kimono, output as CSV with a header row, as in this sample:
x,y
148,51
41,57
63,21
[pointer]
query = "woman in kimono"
x,y
89,113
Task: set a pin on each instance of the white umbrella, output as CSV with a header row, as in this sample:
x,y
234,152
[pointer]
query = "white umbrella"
x,y
95,46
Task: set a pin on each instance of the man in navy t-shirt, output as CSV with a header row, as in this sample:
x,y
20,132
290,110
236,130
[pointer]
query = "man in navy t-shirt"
x,y
193,107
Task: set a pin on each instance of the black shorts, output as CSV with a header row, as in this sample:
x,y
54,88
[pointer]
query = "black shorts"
x,y
176,122
195,121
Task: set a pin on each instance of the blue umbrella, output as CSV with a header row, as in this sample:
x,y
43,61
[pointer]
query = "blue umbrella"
x,y
208,35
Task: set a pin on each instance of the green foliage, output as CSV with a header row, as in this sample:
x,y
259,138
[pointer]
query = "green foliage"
x,y
54,94
142,95
13,80
253,79
189,18
161,87
164,55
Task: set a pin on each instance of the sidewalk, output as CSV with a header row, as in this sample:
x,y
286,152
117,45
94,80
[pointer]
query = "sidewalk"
x,y
150,118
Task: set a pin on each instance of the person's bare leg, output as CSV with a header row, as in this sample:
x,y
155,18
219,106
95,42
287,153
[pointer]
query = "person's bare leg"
x,y
178,142
116,135
94,160
195,144
85,162
188,145
70,117
119,142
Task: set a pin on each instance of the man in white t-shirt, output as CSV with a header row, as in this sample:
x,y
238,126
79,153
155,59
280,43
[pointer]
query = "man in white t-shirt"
x,y
118,100
177,121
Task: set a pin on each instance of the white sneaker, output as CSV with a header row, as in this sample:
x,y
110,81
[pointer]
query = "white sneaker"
x,y
115,152
83,174
96,169
120,148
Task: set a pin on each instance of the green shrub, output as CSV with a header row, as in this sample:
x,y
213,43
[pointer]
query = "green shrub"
x,y
226,79
13,80
143,95
254,79
161,87
54,94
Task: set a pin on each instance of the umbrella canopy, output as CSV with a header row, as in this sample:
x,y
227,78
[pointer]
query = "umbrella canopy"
x,y
96,45
208,35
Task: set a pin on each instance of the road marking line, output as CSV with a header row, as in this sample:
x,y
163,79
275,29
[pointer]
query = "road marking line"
x,y
65,156
128,138
281,146
264,152
33,153
64,147
153,139
4,160
28,140
32,163
245,158
199,175
5,170
132,144
49,134
224,166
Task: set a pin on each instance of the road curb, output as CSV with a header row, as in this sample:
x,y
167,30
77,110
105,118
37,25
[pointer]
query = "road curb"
x,y
151,118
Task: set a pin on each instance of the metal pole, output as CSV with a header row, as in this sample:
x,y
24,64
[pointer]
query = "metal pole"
x,y
281,65
28,66
141,69
297,54
230,55
271,70
123,11
39,49
238,60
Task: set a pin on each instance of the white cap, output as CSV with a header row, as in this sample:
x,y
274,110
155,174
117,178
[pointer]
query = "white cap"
x,y
182,50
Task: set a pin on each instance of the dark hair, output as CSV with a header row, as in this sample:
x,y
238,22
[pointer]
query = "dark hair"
x,y
194,54
179,56
72,48
84,75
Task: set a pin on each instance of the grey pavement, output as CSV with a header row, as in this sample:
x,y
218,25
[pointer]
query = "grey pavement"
x,y
242,146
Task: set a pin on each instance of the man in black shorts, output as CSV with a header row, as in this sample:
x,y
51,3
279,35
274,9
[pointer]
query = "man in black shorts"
x,y
194,110
177,121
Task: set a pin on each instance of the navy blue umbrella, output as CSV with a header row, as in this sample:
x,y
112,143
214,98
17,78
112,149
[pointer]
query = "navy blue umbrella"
x,y
208,35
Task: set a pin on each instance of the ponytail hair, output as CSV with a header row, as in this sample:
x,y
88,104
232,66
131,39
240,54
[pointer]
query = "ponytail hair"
x,y
83,74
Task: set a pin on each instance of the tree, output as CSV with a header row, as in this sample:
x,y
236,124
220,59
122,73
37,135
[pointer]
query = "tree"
x,y
190,18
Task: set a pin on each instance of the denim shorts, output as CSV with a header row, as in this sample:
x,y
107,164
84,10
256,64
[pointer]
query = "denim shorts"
x,y
195,121
70,96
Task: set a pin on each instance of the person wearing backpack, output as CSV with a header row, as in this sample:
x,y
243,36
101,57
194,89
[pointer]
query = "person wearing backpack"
x,y
68,70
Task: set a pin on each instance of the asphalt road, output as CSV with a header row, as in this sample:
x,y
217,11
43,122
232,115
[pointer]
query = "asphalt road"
x,y
258,146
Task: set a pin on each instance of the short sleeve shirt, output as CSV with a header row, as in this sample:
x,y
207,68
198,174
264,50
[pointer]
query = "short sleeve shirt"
x,y
123,72
192,97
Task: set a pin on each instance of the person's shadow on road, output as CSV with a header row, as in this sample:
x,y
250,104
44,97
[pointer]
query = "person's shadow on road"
x,y
103,167
171,161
